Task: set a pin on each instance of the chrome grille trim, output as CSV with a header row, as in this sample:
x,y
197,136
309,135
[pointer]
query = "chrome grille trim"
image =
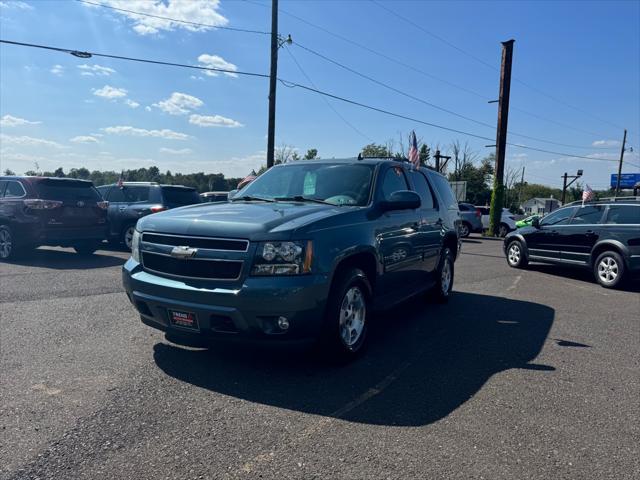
x,y
189,237
158,272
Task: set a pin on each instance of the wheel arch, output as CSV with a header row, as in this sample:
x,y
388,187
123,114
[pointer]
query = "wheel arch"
x,y
365,259
605,245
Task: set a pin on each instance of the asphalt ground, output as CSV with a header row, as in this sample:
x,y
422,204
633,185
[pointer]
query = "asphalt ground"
x,y
524,374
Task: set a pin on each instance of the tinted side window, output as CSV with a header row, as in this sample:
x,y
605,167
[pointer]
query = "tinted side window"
x,y
588,215
559,217
3,183
14,189
116,195
444,189
423,189
136,194
394,180
104,190
624,214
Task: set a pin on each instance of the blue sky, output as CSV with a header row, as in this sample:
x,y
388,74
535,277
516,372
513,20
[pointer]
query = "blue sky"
x,y
59,110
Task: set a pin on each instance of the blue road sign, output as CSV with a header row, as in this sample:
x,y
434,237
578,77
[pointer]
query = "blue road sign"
x,y
627,180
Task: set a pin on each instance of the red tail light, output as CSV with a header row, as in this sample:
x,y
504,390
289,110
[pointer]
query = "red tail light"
x,y
38,204
157,208
478,213
103,205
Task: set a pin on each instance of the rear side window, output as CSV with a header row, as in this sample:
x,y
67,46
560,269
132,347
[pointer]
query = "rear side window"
x,y
423,189
394,180
444,189
3,183
588,215
180,196
67,190
624,214
14,189
104,190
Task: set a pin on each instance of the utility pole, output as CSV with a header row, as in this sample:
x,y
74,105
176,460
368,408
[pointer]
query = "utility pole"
x,y
273,78
520,190
624,141
497,196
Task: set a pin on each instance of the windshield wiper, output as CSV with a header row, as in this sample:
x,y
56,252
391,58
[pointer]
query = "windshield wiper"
x,y
300,198
249,198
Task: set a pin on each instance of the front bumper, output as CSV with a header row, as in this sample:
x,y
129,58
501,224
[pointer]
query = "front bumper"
x,y
247,311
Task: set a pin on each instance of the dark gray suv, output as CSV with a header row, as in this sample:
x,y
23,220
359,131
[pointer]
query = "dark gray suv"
x,y
131,201
305,252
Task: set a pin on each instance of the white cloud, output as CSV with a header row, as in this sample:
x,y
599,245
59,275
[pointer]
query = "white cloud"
x,y
606,143
11,121
27,141
179,104
132,103
84,139
215,61
203,12
57,70
110,92
95,70
213,121
141,132
16,4
147,108
196,77
173,151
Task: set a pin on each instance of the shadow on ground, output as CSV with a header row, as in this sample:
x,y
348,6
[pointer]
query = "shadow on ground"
x,y
424,361
582,274
67,259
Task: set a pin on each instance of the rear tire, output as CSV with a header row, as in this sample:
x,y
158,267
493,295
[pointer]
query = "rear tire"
x,y
609,269
444,278
503,229
516,257
127,236
86,248
347,315
8,248
465,229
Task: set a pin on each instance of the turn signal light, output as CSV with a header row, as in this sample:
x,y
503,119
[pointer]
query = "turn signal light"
x,y
157,208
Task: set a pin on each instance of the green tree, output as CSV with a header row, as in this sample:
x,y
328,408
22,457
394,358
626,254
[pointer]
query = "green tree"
x,y
425,154
375,150
59,172
9,172
477,178
311,154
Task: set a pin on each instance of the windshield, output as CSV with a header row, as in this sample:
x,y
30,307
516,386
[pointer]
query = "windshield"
x,y
338,184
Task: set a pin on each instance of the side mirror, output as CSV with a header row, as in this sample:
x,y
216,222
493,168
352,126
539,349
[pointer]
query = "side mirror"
x,y
232,194
401,200
535,222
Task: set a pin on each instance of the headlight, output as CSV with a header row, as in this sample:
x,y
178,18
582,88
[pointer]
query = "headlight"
x,y
135,246
283,258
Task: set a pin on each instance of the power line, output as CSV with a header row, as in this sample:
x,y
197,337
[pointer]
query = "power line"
x,y
196,24
413,97
349,124
87,54
479,60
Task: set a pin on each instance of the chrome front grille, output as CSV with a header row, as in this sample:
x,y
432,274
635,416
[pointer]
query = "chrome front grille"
x,y
211,258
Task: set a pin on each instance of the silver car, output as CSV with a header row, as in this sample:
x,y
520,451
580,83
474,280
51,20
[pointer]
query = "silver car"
x,y
471,219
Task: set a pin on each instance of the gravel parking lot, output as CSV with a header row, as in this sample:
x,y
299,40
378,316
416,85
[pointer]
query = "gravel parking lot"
x,y
524,374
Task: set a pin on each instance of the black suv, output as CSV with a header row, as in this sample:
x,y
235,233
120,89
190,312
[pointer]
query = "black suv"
x,y
307,250
50,211
129,201
603,236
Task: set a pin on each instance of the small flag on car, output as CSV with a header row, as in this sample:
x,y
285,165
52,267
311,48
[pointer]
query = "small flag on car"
x,y
121,180
587,194
414,156
247,180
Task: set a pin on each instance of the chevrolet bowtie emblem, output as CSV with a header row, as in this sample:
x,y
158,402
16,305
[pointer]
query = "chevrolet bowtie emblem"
x,y
183,252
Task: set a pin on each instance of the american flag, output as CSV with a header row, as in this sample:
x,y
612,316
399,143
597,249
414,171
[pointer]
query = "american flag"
x,y
414,156
587,194
246,180
121,179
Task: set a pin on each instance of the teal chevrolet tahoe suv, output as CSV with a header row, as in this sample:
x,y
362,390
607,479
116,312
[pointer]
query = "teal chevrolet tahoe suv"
x,y
307,251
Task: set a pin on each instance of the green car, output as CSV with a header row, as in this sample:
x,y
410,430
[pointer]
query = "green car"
x,y
526,222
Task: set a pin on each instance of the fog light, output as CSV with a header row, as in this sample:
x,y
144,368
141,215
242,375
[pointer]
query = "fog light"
x,y
283,323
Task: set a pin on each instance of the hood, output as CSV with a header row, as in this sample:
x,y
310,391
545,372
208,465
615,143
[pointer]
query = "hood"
x,y
237,219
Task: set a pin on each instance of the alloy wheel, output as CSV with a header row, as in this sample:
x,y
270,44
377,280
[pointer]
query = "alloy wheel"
x,y
514,254
608,269
464,230
445,277
353,314
128,237
6,243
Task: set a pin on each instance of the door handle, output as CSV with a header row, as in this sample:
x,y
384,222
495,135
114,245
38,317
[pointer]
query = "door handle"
x,y
589,232
122,208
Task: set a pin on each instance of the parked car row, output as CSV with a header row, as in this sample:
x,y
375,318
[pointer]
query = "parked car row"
x,y
67,212
475,219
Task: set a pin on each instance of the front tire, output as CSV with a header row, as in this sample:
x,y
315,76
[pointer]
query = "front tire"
x,y
503,229
609,269
127,236
347,316
465,229
444,277
516,257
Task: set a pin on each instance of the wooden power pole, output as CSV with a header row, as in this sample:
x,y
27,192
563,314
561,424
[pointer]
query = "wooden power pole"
x,y
273,79
497,196
624,141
